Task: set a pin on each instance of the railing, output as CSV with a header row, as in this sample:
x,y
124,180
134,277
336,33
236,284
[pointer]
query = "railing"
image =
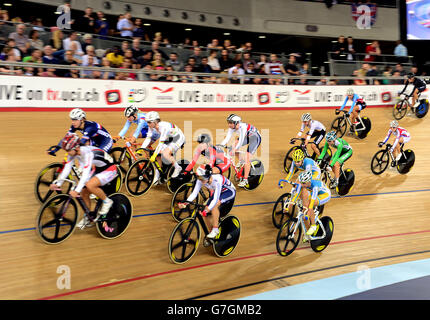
x,y
158,75
379,3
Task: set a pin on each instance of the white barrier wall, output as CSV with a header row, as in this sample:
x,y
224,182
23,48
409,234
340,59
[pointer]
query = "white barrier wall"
x,y
39,92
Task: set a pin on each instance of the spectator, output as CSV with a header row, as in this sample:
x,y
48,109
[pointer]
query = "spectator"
x,y
387,74
397,74
188,77
90,62
101,25
35,42
373,72
351,51
214,45
291,67
263,61
91,53
125,26
38,24
169,77
124,47
228,46
213,61
11,43
88,41
68,61
321,82
304,70
414,70
204,67
274,67
251,71
135,48
399,68
246,59
74,73
174,62
73,38
126,75
158,37
192,62
56,41
359,78
372,51
401,52
106,74
87,23
158,62
225,61
76,56
248,46
236,71
115,58
166,43
197,55
145,59
21,40
4,15
340,48
129,55
138,32
155,47
186,44
35,57
9,56
48,56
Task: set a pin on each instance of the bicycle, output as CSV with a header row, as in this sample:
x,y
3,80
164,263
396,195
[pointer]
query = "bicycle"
x,y
340,124
381,159
140,176
256,174
49,173
401,107
291,231
346,178
124,156
185,237
288,157
57,217
279,214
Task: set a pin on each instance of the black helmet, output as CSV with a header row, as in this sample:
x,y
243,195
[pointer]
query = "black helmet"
x,y
411,75
204,171
204,138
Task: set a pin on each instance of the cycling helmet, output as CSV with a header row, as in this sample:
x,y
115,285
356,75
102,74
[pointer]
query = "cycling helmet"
x,y
331,136
305,176
131,110
234,118
70,141
411,75
152,116
306,117
77,114
204,171
298,155
349,92
394,124
204,138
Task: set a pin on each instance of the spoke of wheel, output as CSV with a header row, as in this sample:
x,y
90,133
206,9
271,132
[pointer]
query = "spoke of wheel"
x,y
57,229
49,223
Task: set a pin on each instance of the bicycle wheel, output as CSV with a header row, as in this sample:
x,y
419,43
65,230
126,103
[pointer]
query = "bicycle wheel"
x,y
289,159
228,238
118,152
174,183
279,216
45,177
363,132
339,125
117,219
181,195
256,175
184,241
286,241
57,219
400,109
320,245
422,109
380,162
139,177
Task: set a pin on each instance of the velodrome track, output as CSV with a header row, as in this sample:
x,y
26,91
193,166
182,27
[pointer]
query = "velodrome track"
x,y
383,221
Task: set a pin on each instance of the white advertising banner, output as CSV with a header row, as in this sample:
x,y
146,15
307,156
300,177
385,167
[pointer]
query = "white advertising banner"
x,y
41,92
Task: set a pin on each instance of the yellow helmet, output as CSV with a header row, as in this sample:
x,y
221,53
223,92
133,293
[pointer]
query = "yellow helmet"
x,y
298,155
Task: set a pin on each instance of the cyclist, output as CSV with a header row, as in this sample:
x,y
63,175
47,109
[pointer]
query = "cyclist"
x,y
92,133
222,192
343,153
98,170
248,135
419,86
171,140
357,105
316,130
217,159
402,137
300,162
134,116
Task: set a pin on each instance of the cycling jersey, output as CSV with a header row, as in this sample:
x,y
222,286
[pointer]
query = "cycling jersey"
x,y
93,161
319,191
95,133
398,133
169,134
245,131
343,152
142,126
313,125
356,99
221,190
307,165
417,83
215,155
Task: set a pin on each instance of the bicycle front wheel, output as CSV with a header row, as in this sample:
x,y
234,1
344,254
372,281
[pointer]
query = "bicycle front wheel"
x,y
184,241
380,162
279,214
44,179
288,240
339,125
400,109
139,177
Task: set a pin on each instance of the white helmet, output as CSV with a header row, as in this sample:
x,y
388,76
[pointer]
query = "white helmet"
x,y
131,110
306,117
152,116
394,124
305,176
234,118
349,92
77,114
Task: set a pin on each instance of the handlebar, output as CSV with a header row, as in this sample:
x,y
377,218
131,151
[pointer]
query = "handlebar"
x,y
68,180
293,140
196,204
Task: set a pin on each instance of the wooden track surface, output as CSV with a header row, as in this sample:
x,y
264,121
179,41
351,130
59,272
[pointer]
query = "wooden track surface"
x,y
387,222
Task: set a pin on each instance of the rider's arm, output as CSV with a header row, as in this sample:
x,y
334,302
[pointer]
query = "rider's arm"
x,y
86,165
142,124
396,141
324,150
148,139
216,195
195,192
291,172
388,136
163,138
296,192
344,103
404,88
302,129
66,171
242,135
196,156
314,196
354,101
124,129
212,156
228,137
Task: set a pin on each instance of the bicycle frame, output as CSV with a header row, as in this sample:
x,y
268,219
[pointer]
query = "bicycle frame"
x,y
363,127
302,145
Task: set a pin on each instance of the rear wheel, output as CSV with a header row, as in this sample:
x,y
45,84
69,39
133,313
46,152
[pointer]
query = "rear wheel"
x,y
122,158
118,218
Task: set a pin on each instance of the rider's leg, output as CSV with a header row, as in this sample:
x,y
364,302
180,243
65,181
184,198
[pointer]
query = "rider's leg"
x,y
212,222
336,170
315,149
85,195
396,153
93,187
414,97
354,114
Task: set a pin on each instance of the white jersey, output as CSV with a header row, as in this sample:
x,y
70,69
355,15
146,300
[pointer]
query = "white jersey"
x,y
166,131
218,185
245,130
313,125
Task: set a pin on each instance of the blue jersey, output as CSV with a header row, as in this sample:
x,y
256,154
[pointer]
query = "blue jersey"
x,y
307,165
142,126
355,99
96,134
318,190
